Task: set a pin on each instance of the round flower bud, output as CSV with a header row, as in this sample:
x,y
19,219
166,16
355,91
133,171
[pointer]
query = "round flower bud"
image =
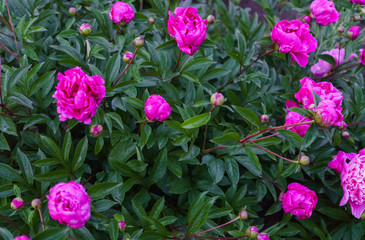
x,y
263,236
252,232
280,198
36,203
211,19
312,107
72,11
122,226
85,29
243,215
342,126
16,203
217,99
307,19
22,237
138,42
304,160
353,32
127,57
96,130
264,118
151,20
345,135
340,29
357,17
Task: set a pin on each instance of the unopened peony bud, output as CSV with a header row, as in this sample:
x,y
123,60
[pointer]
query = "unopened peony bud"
x,y
304,160
312,107
243,215
96,130
252,232
342,126
211,19
22,237
122,226
340,29
264,118
357,17
138,42
263,236
16,203
345,135
72,11
85,29
127,57
353,32
217,99
36,203
281,196
307,19
151,20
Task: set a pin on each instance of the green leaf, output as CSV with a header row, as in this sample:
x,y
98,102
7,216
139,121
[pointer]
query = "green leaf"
x,y
197,63
301,111
6,234
54,176
200,217
292,137
145,134
159,167
112,68
191,77
113,230
25,166
3,142
316,98
80,154
7,126
16,76
248,115
39,83
232,171
311,135
167,45
228,139
9,173
20,99
196,121
216,169
53,234
100,190
99,145
157,208
50,147
335,213
67,143
35,119
328,58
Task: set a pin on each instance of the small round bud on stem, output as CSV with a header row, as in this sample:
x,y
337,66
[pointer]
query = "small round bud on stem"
x,y
252,232
243,215
263,236
217,99
151,20
127,57
85,29
264,118
340,29
72,11
96,130
211,19
307,19
36,203
138,42
16,203
122,226
312,107
345,135
304,160
356,17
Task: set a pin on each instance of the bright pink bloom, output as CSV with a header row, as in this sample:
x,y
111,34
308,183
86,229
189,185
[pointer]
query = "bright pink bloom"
x,y
353,32
328,115
294,37
262,236
322,67
78,95
353,184
292,118
339,161
362,56
69,204
307,19
324,12
361,2
325,90
299,201
121,12
187,28
156,108
22,237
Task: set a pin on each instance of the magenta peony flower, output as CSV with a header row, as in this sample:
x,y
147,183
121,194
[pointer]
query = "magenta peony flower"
x,y
353,32
353,184
78,95
156,108
292,118
325,90
121,12
327,114
262,236
324,12
187,28
362,56
69,204
22,237
339,161
322,67
361,2
299,201
294,37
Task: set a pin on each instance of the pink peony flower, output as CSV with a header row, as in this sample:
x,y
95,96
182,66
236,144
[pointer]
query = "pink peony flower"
x,y
78,95
325,90
328,115
307,19
121,12
339,161
353,184
361,2
22,237
69,204
362,56
324,12
353,32
292,118
156,108
299,201
187,28
262,236
294,37
322,67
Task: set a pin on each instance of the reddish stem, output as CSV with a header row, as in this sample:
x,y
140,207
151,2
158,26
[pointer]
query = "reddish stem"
x,y
267,150
12,28
224,224
8,50
125,69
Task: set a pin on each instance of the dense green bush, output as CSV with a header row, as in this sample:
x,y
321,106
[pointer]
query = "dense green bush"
x,y
190,173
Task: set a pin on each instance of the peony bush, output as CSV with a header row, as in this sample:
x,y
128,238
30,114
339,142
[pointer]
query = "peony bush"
x,y
204,119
